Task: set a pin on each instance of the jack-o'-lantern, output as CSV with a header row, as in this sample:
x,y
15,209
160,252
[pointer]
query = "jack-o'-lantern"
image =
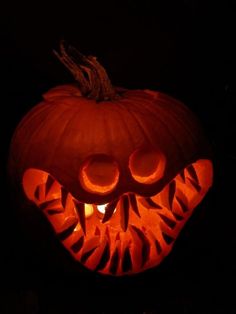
x,y
117,172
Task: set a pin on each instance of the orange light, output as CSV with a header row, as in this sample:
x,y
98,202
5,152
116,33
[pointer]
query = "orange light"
x,y
88,210
147,166
138,236
102,208
95,188
99,174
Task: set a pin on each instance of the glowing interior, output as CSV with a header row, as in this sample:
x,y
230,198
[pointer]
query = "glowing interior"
x,y
102,208
127,235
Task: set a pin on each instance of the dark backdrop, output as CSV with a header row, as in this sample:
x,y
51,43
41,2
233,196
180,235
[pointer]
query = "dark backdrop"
x,y
183,48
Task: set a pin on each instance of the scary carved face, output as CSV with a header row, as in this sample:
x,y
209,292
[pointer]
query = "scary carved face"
x,y
117,180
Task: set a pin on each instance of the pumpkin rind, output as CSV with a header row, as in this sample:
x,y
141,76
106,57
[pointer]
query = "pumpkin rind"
x,y
65,129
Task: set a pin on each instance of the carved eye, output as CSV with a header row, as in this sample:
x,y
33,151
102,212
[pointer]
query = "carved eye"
x,y
147,165
99,174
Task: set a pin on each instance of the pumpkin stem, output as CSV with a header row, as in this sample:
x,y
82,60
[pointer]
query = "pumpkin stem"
x,y
89,73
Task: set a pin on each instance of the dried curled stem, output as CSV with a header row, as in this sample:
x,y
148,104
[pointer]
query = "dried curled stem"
x,y
88,72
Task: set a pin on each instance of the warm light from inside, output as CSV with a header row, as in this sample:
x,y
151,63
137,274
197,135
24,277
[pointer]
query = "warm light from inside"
x,y
88,210
102,208
138,236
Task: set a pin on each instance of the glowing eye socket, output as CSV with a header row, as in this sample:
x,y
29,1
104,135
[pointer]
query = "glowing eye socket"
x,y
99,174
147,166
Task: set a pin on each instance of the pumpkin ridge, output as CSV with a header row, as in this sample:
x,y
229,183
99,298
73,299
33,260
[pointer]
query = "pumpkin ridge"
x,y
58,139
125,123
27,148
188,128
163,122
33,113
171,134
137,121
158,117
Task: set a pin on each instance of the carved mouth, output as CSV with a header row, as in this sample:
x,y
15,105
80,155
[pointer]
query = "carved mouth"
x,y
127,235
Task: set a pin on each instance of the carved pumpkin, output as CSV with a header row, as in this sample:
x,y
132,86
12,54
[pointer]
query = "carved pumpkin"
x,y
117,172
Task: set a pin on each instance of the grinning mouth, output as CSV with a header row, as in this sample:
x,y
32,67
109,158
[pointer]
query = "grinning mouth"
x,y
127,235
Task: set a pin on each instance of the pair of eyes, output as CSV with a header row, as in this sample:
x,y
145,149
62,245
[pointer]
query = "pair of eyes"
x,y
100,173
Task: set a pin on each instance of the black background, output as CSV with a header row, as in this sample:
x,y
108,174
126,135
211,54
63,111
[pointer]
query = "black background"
x,y
184,48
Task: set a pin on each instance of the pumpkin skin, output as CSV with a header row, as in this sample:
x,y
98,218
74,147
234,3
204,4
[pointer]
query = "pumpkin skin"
x,y
59,136
117,179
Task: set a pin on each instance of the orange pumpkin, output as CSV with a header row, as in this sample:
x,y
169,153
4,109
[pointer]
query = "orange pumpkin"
x,y
117,172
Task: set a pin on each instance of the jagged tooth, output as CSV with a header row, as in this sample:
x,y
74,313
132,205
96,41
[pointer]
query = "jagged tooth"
x,y
76,247
158,246
104,258
145,244
144,229
86,255
49,184
195,185
49,204
107,233
114,262
134,205
168,239
39,192
89,247
177,217
126,261
149,203
91,243
55,211
64,195
124,212
154,241
67,232
145,253
117,236
169,222
97,231
182,205
172,188
109,210
36,193
193,174
80,208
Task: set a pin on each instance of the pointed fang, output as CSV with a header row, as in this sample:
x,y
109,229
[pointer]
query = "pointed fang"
x,y
172,188
80,208
104,258
109,210
64,195
149,203
134,205
124,212
49,184
193,174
